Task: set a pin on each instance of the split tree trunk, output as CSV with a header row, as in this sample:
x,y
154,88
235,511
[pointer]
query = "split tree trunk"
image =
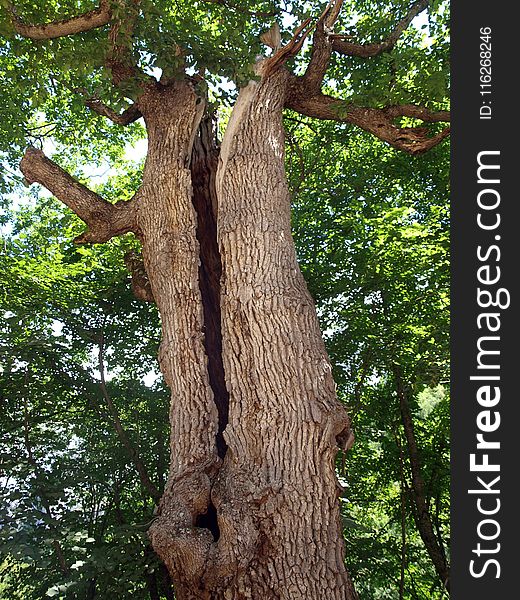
x,y
276,494
167,225
250,509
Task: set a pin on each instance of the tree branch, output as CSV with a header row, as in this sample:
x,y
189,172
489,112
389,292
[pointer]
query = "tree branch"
x,y
47,31
378,121
146,482
343,46
283,54
417,112
104,220
322,45
39,477
236,7
130,115
119,59
423,519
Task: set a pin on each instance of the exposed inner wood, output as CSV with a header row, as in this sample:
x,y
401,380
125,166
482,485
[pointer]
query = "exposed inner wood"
x,y
204,161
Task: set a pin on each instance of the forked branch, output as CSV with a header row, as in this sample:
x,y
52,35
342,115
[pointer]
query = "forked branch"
x,y
322,45
343,46
47,31
306,96
104,220
281,56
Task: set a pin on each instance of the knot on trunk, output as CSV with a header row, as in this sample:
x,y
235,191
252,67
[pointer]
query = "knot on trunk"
x,y
175,537
141,287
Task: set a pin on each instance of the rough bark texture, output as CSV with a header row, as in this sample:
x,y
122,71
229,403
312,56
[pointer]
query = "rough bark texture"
x,y
264,521
276,494
166,223
250,508
47,31
104,220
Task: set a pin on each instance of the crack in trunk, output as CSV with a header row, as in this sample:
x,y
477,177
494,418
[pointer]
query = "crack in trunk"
x,y
204,161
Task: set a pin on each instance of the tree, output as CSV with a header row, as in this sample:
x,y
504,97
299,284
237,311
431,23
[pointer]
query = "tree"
x,y
250,507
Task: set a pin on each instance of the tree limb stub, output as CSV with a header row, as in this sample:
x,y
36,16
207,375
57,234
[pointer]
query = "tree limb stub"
x,y
378,121
343,46
291,49
47,31
104,220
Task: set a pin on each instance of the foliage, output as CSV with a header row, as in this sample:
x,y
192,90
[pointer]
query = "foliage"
x,y
67,478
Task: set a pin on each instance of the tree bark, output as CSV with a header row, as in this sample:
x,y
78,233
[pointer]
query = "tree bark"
x,y
251,504
250,507
276,495
166,223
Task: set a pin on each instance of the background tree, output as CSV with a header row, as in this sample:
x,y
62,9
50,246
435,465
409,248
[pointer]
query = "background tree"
x,y
250,504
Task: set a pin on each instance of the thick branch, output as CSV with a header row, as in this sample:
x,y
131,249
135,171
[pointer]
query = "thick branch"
x,y
417,112
48,31
343,46
378,121
104,220
322,45
130,115
119,59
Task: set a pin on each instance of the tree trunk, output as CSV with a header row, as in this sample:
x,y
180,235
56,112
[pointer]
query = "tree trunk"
x,y
250,508
276,495
167,222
